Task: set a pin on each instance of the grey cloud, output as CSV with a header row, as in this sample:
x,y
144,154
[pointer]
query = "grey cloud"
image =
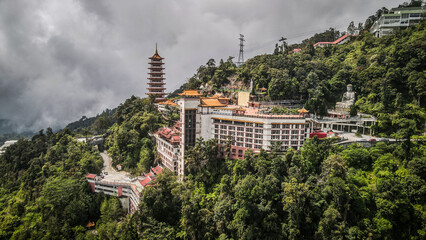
x,y
60,60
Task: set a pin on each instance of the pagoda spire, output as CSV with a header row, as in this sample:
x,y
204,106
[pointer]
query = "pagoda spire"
x,y
156,79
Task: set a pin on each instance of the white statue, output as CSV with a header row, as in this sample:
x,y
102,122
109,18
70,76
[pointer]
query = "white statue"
x,y
348,100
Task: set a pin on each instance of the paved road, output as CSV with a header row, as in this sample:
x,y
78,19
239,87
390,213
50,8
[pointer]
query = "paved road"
x,y
112,175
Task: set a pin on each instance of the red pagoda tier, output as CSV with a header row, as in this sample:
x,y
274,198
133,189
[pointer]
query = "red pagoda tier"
x,y
156,78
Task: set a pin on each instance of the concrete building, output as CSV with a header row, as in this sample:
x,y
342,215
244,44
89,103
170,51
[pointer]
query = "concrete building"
x,y
126,189
168,146
212,118
6,145
396,19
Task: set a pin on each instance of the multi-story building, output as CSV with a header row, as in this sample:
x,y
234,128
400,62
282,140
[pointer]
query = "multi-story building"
x,y
246,128
127,190
168,146
397,18
156,77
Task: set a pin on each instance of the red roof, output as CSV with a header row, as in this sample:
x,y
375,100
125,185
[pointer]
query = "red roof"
x,y
92,176
150,174
335,42
157,170
145,181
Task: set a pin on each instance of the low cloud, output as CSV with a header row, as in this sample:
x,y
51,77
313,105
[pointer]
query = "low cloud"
x,y
60,60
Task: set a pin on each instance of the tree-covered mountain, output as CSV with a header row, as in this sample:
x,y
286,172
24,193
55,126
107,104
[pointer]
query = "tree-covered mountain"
x,y
388,75
320,192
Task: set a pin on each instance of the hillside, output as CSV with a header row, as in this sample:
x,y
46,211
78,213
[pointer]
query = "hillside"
x,y
388,75
322,191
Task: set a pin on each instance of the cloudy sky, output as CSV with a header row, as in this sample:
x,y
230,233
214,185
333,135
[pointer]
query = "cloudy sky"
x,y
60,60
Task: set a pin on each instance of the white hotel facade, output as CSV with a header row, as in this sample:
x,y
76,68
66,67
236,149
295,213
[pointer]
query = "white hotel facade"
x,y
247,128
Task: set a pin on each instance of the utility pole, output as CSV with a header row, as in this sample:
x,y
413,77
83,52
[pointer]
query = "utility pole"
x,y
241,55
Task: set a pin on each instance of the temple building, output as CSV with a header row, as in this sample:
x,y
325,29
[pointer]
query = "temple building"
x,y
156,77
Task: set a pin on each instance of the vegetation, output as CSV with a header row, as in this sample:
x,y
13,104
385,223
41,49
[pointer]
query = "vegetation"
x,y
43,190
128,141
93,125
322,192
387,74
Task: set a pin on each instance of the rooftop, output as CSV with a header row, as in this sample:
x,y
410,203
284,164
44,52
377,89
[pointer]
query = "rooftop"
x,y
168,102
190,93
211,102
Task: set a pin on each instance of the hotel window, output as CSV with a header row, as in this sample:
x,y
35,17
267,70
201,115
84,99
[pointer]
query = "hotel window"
x,y
275,131
222,132
240,139
231,128
239,144
231,133
240,133
286,125
258,141
285,137
249,140
275,137
216,136
249,145
294,137
249,124
259,125
258,136
216,126
249,135
302,131
222,137
223,127
258,131
275,125
286,132
294,132
293,142
249,129
240,153
234,151
240,129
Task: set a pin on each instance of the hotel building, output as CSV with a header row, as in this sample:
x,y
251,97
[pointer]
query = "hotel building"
x,y
247,128
397,18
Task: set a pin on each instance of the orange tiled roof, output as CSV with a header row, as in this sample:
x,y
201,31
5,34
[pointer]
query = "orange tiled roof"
x,y
156,55
303,110
168,102
190,93
211,102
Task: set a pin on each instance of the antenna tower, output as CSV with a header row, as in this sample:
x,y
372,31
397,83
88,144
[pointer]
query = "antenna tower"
x,y
241,56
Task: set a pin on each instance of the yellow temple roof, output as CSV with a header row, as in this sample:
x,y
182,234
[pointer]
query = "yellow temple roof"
x,y
190,93
211,102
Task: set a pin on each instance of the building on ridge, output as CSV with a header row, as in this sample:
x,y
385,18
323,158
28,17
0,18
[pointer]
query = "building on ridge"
x,y
208,118
396,19
156,84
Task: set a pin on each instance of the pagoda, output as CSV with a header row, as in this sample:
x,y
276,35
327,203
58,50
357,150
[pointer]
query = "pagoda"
x,y
156,80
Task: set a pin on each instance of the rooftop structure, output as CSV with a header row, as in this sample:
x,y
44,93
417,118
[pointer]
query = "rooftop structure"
x,y
397,18
296,50
156,77
340,40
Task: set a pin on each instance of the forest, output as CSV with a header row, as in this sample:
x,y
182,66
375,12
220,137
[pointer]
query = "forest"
x,y
322,191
